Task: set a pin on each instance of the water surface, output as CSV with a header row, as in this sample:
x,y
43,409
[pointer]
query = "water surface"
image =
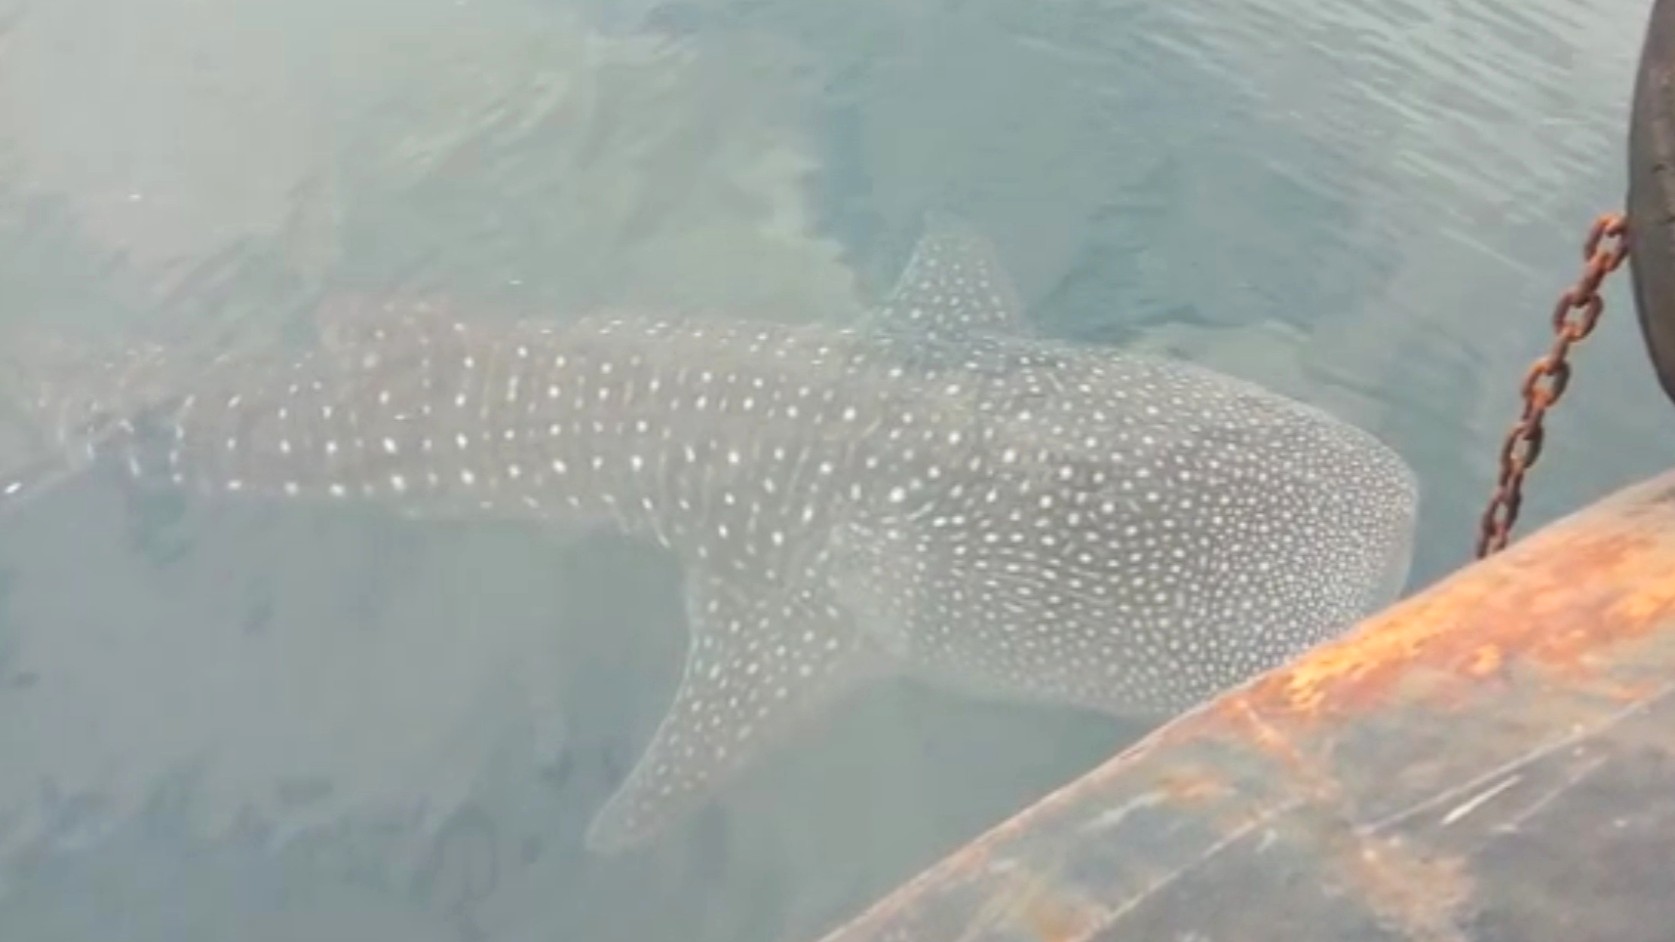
x,y
318,725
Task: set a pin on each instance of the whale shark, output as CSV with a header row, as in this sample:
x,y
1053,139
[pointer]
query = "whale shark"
x,y
934,492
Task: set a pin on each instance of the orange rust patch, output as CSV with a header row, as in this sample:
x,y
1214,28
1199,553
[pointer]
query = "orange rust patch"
x,y
1421,893
1305,772
1486,661
1269,738
1052,923
1032,902
1636,598
1191,787
1562,601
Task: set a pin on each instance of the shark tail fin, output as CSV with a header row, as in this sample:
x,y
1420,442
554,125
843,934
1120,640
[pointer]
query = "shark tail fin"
x,y
63,398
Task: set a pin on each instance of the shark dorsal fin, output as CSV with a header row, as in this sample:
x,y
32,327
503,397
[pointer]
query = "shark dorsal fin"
x,y
952,285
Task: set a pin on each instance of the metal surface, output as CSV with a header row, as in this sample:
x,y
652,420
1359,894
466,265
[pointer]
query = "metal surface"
x,y
1651,191
1492,759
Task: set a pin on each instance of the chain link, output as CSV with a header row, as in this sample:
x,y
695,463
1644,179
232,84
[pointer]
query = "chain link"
x,y
1574,318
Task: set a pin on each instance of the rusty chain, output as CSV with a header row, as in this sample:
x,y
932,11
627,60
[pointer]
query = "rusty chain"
x,y
1574,317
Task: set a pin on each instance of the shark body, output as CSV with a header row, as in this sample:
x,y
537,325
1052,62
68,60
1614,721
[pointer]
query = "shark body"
x,y
933,492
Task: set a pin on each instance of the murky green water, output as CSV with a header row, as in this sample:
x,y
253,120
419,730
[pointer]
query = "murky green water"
x,y
261,724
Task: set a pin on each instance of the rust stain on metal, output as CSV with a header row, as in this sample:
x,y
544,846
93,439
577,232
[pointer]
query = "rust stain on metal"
x,y
1486,661
1536,609
1423,895
1031,902
1192,787
1056,920
1305,769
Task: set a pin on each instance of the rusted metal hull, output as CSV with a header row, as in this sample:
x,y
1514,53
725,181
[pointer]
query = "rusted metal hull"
x,y
1492,759
1651,191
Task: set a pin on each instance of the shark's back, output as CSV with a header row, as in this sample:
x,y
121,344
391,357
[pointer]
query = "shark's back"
x,y
1125,532
932,491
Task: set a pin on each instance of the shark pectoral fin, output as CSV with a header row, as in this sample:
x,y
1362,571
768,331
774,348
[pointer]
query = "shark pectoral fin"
x,y
953,283
757,666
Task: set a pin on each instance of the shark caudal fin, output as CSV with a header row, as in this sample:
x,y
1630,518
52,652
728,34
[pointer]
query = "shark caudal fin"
x,y
63,397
